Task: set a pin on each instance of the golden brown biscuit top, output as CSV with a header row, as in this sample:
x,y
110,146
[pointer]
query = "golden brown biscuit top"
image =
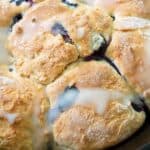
x,y
80,23
58,43
90,74
22,108
81,127
20,96
132,23
51,40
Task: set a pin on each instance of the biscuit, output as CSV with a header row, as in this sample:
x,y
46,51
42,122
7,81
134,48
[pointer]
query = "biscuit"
x,y
90,61
19,98
120,8
58,40
129,49
89,74
9,9
94,120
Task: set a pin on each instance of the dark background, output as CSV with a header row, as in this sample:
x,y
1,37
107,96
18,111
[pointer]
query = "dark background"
x,y
138,141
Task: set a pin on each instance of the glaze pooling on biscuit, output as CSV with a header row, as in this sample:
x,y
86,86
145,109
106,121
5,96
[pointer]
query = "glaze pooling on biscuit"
x,y
67,98
19,2
9,9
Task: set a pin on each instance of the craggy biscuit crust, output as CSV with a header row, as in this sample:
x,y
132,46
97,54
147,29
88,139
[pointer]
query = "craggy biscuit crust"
x,y
43,52
57,45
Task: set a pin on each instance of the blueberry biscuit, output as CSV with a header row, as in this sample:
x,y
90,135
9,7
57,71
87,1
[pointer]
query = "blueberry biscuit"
x,y
84,67
47,42
87,119
10,8
129,49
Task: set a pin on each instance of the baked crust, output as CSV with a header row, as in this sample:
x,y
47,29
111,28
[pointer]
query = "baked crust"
x,y
50,45
120,8
129,49
80,126
44,53
90,74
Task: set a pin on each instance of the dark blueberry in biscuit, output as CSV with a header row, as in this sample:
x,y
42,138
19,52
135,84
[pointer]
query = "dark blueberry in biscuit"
x,y
16,19
18,2
113,17
71,88
137,107
138,103
99,44
57,28
10,69
71,4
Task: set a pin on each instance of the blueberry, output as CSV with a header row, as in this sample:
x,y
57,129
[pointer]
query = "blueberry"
x,y
65,100
18,2
57,28
73,87
113,17
16,19
67,2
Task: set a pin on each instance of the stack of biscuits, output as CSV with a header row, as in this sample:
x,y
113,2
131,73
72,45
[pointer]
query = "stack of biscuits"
x,y
74,74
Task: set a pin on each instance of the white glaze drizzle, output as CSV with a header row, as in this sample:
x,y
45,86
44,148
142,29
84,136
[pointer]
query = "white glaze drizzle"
x,y
6,80
11,117
100,98
130,23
